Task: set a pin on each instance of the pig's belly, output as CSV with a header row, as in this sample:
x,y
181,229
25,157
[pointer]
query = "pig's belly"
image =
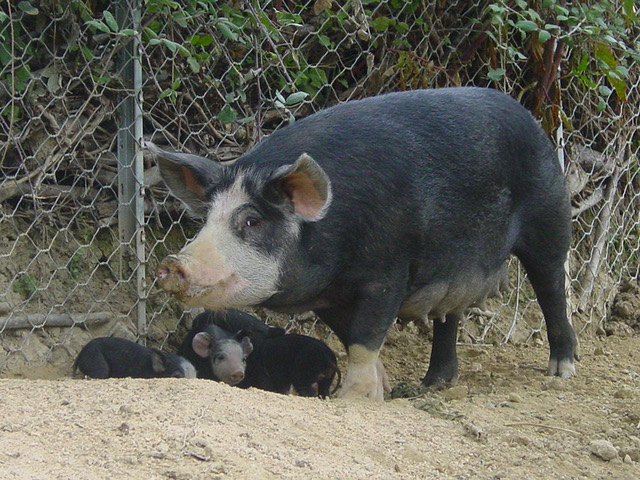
x,y
439,298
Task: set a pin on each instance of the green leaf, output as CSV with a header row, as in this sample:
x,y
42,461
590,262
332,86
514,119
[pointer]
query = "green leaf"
x,y
201,40
3,16
296,97
127,32
380,24
605,54
527,26
629,11
227,114
194,65
98,25
87,53
27,8
113,25
166,93
497,74
325,41
543,36
173,46
227,32
150,33
604,90
602,104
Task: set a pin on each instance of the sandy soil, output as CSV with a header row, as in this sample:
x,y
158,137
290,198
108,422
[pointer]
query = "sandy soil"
x,y
504,420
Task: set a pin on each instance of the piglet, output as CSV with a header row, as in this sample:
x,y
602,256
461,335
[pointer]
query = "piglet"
x,y
111,357
298,363
217,354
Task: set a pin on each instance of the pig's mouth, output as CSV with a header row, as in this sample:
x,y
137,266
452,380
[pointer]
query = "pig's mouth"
x,y
220,295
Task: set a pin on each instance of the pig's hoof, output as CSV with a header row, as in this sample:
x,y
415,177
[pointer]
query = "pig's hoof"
x,y
440,378
362,381
438,385
563,368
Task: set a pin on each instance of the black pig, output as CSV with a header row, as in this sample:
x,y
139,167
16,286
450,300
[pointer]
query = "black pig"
x,y
407,204
305,364
233,320
112,357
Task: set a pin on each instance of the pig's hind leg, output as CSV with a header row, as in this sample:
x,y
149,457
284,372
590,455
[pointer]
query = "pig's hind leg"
x,y
443,364
542,249
95,367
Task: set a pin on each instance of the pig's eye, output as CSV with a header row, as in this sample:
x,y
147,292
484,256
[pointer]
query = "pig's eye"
x,y
251,222
220,358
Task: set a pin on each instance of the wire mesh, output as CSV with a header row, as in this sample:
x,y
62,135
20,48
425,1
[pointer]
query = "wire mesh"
x,y
218,76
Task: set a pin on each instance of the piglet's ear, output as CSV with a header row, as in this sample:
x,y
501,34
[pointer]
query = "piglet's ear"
x,y
158,359
307,186
201,344
247,346
187,176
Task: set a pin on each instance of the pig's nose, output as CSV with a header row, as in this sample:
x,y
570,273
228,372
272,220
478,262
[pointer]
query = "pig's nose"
x,y
172,276
236,377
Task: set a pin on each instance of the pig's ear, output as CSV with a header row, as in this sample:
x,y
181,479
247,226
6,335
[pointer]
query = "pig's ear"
x,y
307,186
187,176
247,346
158,361
201,344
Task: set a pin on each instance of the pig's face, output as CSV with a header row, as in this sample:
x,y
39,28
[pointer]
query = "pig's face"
x,y
228,356
251,221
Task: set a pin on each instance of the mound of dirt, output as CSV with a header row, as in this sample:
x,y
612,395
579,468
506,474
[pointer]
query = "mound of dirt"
x,y
504,419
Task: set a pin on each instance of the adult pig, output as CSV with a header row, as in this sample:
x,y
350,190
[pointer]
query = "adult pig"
x,y
404,204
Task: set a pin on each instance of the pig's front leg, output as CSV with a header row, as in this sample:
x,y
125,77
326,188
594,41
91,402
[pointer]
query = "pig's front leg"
x,y
366,376
362,378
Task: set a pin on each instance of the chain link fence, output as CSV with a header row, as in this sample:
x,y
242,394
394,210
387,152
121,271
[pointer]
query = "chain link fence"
x,y
85,218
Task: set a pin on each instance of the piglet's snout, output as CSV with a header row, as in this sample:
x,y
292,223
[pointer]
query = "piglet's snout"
x,y
236,377
172,275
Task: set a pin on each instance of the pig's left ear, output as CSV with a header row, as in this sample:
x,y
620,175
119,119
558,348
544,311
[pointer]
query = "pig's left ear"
x,y
188,176
307,186
158,361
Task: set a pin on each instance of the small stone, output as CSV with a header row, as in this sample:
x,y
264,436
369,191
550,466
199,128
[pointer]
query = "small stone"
x,y
623,392
604,449
599,351
455,393
556,384
627,459
632,452
514,397
476,367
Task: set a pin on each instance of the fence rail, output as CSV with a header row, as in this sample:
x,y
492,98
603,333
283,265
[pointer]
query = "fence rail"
x,y
85,218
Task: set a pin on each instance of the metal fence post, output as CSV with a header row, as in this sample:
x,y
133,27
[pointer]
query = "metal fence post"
x,y
130,161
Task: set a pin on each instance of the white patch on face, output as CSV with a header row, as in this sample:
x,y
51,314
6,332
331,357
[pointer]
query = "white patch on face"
x,y
223,271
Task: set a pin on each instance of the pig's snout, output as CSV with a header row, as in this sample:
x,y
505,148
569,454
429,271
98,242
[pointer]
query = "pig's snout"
x,y
172,275
236,377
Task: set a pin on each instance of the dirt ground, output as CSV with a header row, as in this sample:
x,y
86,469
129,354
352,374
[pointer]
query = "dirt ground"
x,y
504,420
